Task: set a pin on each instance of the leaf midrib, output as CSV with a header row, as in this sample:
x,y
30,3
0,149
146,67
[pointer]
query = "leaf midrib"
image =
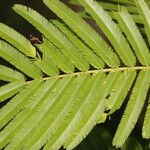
x,y
136,68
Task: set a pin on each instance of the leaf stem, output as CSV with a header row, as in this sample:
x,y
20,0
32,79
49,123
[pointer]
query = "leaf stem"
x,y
136,68
99,70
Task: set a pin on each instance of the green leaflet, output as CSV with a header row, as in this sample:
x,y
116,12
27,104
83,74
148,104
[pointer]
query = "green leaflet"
x,y
54,55
144,10
82,29
10,89
15,105
114,7
85,93
19,60
136,18
47,66
17,40
40,110
30,108
146,126
54,35
133,109
8,74
136,40
102,118
110,8
93,110
111,30
88,54
66,94
120,91
124,2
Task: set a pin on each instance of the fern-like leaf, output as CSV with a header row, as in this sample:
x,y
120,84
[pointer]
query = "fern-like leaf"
x,y
78,79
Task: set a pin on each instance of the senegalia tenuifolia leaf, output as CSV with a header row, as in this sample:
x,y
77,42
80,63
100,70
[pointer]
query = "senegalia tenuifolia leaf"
x,y
40,94
16,103
134,36
94,109
8,74
10,89
88,54
84,31
111,30
48,132
58,112
120,91
67,95
17,40
54,55
133,109
146,125
42,110
19,60
144,11
53,34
